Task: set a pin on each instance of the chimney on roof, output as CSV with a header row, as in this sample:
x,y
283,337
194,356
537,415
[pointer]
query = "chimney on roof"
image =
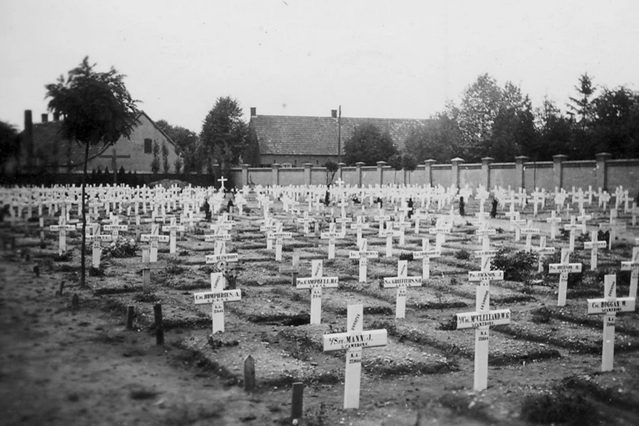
x,y
28,136
45,118
253,112
56,116
334,113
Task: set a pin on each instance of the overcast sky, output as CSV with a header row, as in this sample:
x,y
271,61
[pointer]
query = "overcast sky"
x,y
375,58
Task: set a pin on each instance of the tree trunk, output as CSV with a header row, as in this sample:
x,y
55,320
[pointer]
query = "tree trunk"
x,y
83,271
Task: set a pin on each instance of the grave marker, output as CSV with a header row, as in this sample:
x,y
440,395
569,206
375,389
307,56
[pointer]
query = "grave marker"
x,y
315,283
331,235
363,255
594,245
426,254
609,306
633,267
553,220
216,297
154,238
563,269
401,282
353,341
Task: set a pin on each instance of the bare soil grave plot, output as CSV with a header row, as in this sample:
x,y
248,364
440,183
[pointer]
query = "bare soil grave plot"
x,y
423,376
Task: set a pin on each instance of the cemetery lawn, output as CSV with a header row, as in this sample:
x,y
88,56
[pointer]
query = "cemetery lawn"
x,y
66,365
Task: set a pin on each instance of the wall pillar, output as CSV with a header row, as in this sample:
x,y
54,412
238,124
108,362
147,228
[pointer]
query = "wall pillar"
x,y
557,170
456,162
245,176
428,170
485,170
601,173
307,173
359,165
519,170
275,180
380,172
340,166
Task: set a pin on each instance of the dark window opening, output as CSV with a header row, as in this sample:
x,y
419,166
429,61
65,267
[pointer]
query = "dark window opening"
x,y
148,146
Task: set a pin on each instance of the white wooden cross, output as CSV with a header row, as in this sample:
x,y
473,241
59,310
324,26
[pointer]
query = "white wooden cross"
x,y
331,235
222,179
154,238
269,227
279,236
115,227
96,250
426,254
634,211
542,251
560,199
572,227
353,341
401,225
146,270
401,282
529,231
306,221
216,297
563,269
381,218
604,199
584,218
609,306
580,199
440,230
482,319
343,221
553,220
633,267
173,228
594,245
62,229
359,226
363,254
315,283
389,233
516,223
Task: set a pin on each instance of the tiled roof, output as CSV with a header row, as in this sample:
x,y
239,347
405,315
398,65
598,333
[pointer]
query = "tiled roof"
x,y
52,148
295,135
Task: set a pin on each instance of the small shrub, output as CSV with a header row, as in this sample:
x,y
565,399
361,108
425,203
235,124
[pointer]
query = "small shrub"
x,y
64,257
541,315
574,279
121,247
96,272
462,254
517,266
559,407
406,256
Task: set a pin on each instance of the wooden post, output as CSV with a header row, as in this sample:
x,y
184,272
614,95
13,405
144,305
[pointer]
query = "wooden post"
x,y
249,374
159,326
130,312
297,401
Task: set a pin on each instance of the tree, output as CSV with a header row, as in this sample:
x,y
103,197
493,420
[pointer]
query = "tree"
x,y
165,158
97,109
155,163
224,133
9,145
178,165
439,140
331,168
368,145
582,105
188,144
615,123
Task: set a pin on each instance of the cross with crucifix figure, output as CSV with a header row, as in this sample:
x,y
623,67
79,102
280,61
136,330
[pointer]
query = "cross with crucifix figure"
x,y
114,163
483,318
633,267
426,254
401,282
354,340
216,297
363,254
594,245
609,306
315,283
563,269
154,238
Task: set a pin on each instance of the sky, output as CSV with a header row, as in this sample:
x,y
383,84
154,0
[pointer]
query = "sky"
x,y
374,58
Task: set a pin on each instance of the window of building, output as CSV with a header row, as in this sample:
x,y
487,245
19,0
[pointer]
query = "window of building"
x,y
148,146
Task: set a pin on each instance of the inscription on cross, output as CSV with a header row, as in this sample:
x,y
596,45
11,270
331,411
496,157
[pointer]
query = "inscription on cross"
x,y
563,269
363,255
609,306
315,284
594,245
353,341
401,282
216,297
